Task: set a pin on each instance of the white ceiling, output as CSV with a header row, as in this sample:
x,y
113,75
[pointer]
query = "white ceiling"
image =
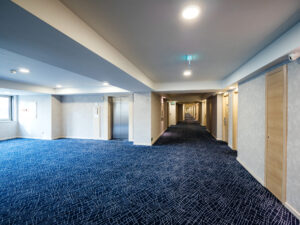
x,y
54,57
10,92
153,36
41,74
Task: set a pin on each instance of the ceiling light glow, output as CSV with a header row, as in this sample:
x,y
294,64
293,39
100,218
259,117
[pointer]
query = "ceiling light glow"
x,y
190,12
187,73
24,70
105,83
58,86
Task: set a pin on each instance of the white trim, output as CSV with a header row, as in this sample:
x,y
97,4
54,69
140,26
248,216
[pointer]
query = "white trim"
x,y
7,138
292,210
251,172
87,138
145,144
39,138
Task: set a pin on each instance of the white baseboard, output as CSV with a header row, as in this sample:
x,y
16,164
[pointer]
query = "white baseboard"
x,y
38,138
141,143
87,138
250,171
7,138
292,210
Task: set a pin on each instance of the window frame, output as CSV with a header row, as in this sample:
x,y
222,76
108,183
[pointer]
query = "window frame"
x,y
10,108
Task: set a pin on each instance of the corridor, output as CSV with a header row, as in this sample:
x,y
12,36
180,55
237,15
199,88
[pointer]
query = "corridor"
x,y
187,177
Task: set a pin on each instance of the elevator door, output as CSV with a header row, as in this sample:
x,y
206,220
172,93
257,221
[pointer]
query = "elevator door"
x,y
120,118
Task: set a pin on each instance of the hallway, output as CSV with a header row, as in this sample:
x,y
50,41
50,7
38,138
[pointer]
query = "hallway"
x,y
187,177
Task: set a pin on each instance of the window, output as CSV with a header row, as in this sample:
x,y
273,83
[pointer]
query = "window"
x,y
5,108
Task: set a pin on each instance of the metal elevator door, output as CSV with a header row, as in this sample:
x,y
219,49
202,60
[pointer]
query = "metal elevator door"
x,y
120,118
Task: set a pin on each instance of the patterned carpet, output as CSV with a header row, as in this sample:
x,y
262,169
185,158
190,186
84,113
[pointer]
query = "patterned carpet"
x,y
186,178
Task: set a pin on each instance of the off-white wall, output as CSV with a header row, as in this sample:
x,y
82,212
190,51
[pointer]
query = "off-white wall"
x,y
293,141
142,118
251,126
155,117
56,114
251,132
8,130
38,126
84,116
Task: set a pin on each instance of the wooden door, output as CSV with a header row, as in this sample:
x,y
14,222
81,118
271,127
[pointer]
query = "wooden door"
x,y
276,113
225,118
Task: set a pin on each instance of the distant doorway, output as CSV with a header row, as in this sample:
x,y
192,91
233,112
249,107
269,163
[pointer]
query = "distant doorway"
x,y
225,117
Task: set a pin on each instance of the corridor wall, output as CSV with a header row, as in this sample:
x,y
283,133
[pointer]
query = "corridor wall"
x,y
251,132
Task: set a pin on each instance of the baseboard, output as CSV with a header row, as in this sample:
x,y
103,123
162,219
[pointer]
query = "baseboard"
x,y
218,139
251,172
55,138
292,210
154,140
87,138
141,143
7,138
37,138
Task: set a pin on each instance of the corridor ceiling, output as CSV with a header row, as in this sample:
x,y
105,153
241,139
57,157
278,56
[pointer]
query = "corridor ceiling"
x,y
142,45
186,97
155,38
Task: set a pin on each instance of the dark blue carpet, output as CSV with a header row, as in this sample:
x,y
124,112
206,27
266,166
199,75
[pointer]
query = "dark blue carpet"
x,y
186,178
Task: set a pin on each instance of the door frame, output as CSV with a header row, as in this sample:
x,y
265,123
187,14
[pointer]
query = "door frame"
x,y
285,96
224,130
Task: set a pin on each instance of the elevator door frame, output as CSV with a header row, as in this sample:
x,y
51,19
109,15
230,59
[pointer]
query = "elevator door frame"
x,y
120,118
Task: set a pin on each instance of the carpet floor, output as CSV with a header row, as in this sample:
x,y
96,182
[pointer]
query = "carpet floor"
x,y
187,177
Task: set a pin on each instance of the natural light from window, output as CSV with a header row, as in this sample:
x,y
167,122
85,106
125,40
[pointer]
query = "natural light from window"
x,y
5,108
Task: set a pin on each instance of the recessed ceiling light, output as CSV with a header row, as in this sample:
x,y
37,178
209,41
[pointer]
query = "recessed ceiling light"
x,y
13,71
190,12
105,83
187,73
24,70
58,86
232,87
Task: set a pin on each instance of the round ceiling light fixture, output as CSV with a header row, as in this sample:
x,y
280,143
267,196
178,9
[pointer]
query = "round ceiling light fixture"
x,y
190,12
187,73
24,70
